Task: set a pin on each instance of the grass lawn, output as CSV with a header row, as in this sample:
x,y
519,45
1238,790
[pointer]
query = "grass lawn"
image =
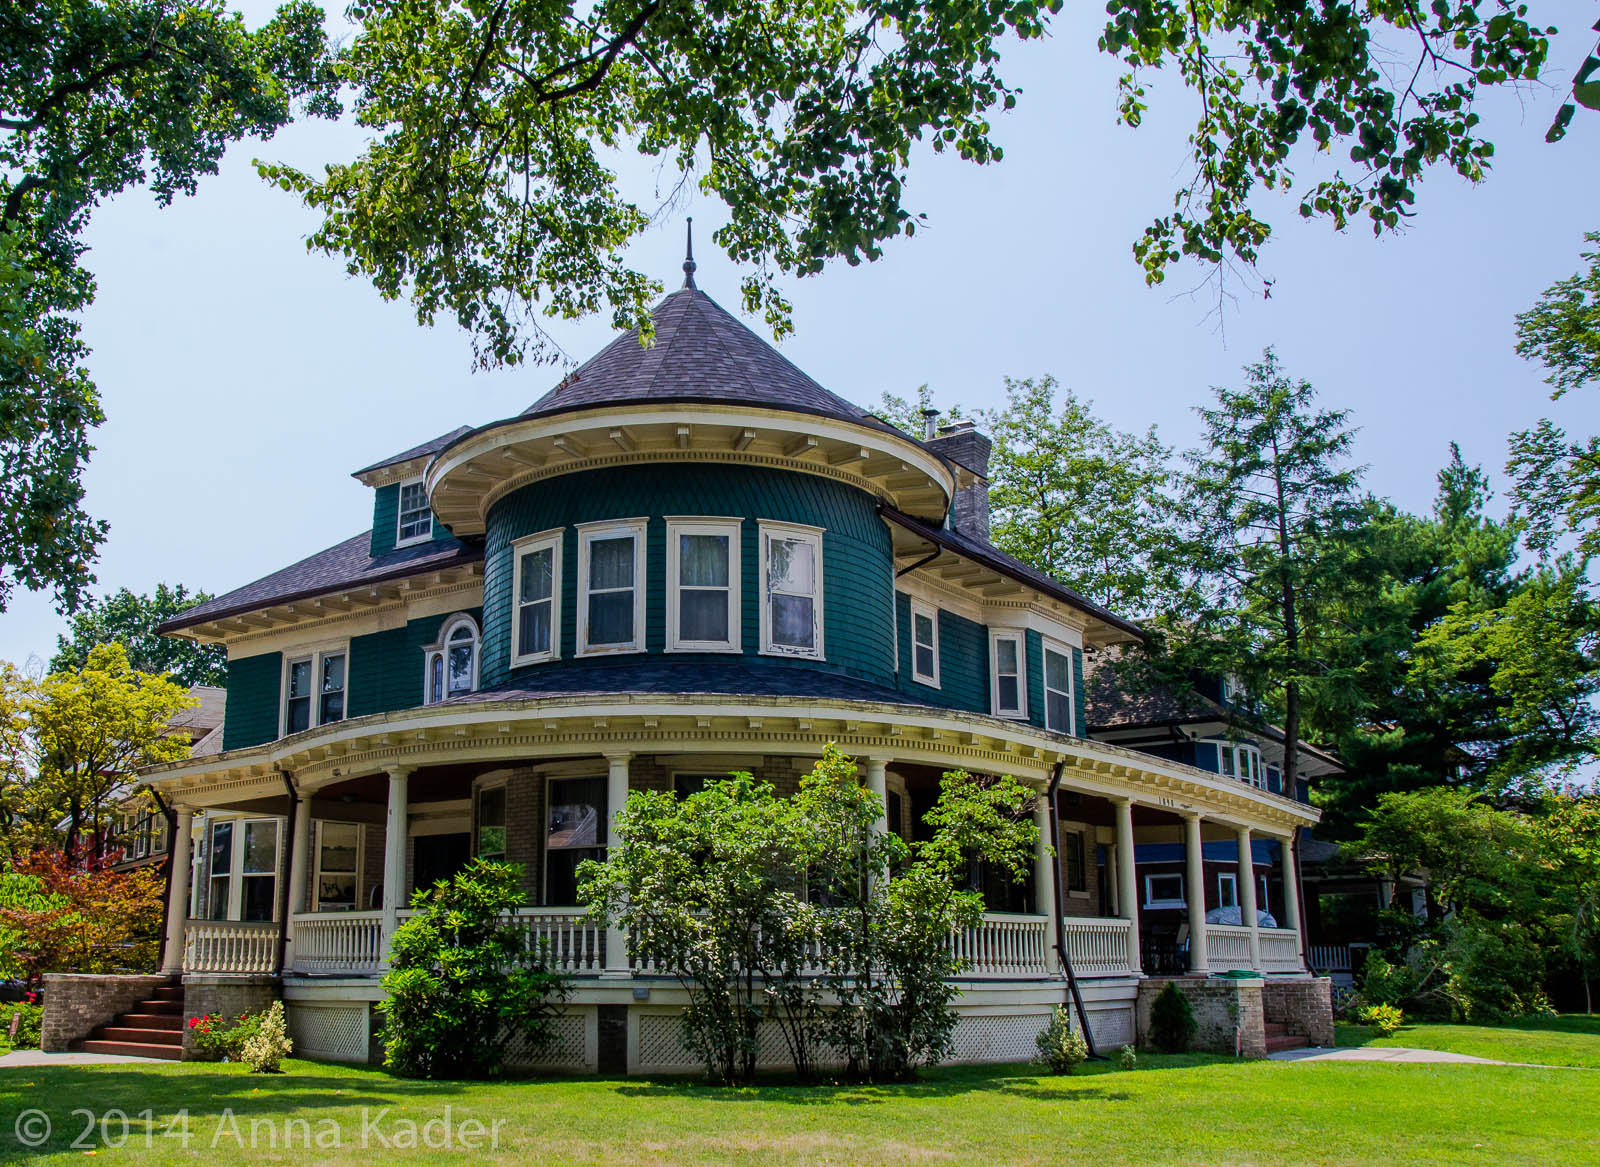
x,y
1179,1109
1569,1040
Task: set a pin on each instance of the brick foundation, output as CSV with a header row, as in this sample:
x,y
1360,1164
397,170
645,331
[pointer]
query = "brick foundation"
x,y
76,1004
1305,1007
228,995
1229,1015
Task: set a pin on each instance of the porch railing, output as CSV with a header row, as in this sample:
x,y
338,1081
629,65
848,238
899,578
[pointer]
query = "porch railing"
x,y
572,944
1227,947
230,946
1280,950
1099,947
338,942
1002,945
1334,958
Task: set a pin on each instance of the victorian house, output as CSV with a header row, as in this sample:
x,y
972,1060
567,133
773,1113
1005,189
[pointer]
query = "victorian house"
x,y
685,559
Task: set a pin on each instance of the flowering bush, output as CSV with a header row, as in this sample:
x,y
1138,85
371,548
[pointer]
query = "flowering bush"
x,y
26,1016
265,1050
214,1038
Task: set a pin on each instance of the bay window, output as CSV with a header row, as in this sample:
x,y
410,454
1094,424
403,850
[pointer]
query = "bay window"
x,y
536,592
791,590
702,585
611,588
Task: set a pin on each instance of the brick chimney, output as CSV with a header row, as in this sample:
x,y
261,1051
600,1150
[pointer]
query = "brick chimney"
x,y
961,442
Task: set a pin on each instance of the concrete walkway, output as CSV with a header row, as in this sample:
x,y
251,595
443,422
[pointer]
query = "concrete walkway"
x,y
1362,1053
32,1057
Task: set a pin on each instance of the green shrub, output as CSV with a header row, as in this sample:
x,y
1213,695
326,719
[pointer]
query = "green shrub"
x,y
1060,1046
462,982
28,1015
1171,1020
1386,1019
265,1050
1128,1058
215,1040
1383,983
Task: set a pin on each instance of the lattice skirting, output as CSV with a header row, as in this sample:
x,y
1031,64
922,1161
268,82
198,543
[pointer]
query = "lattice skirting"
x,y
661,1049
337,1031
1112,1027
573,1048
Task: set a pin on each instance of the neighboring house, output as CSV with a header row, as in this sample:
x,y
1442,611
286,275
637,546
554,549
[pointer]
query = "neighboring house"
x,y
1343,902
1212,725
682,560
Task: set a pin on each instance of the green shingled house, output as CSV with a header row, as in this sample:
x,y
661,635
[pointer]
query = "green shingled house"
x,y
684,559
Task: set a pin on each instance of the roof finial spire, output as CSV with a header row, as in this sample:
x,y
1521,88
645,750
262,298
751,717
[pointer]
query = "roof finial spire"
x,y
688,261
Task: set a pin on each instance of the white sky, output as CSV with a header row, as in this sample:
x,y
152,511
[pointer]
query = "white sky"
x,y
244,379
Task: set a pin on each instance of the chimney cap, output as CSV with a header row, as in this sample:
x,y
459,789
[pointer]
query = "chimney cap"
x,y
930,423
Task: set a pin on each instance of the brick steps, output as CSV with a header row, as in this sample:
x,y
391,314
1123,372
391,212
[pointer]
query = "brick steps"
x,y
151,1029
1279,1038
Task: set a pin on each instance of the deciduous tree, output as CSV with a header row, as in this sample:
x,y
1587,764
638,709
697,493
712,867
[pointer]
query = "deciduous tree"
x,y
131,620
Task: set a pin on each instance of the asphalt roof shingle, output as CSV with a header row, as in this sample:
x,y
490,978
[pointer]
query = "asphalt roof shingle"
x,y
431,446
683,675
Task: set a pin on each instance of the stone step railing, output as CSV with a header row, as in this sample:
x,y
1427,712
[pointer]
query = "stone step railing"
x,y
338,942
230,946
1099,947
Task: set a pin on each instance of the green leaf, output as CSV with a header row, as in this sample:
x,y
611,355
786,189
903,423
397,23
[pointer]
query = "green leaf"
x,y
1588,95
1558,128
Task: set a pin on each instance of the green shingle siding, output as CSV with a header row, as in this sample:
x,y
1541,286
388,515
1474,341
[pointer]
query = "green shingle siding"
x,y
1080,696
963,660
1033,648
857,558
386,667
385,518
251,717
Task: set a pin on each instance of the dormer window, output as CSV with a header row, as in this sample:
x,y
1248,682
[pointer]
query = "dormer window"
x,y
451,664
416,516
791,590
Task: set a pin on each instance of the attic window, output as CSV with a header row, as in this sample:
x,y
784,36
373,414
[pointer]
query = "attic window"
x,y
416,517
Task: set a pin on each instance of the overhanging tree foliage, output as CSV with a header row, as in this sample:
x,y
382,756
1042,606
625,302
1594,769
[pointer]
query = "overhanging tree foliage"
x,y
98,96
489,188
131,620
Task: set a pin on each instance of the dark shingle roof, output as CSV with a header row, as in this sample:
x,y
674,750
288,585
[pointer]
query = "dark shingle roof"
x,y
986,553
340,566
1116,700
701,354
432,446
684,675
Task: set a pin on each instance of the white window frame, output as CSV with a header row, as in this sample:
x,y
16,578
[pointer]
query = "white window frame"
x,y
812,535
315,654
440,649
1016,638
553,541
236,874
922,608
1182,900
400,515
1228,879
729,529
1065,651
611,529
316,884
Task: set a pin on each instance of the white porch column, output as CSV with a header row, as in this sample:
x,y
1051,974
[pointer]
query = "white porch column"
x,y
394,854
1044,883
1128,878
299,853
1247,894
616,799
1195,887
878,783
178,893
1291,886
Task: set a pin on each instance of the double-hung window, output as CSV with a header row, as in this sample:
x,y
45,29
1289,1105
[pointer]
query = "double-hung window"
x,y
313,689
1009,694
535,630
1057,689
243,881
924,643
415,521
702,585
1227,890
575,829
791,590
338,861
611,587
451,664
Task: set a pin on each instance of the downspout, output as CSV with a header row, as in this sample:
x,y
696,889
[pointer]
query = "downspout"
x,y
1061,933
283,886
172,842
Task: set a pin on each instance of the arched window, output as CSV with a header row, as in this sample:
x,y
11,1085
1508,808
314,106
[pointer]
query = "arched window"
x,y
451,663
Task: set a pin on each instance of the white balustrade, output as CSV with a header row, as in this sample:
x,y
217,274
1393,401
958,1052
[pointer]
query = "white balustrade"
x,y
1280,950
1099,947
1002,945
230,946
1330,958
569,941
338,942
1227,947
